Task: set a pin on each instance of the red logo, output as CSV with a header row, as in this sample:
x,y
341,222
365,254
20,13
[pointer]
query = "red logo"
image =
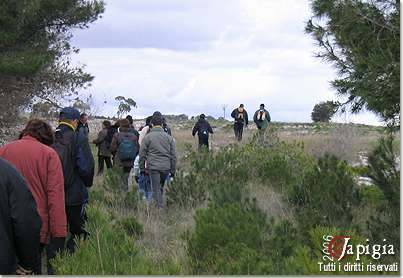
x,y
337,247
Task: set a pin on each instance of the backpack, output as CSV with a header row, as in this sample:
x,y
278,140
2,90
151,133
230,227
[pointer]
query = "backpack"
x,y
262,115
64,148
127,150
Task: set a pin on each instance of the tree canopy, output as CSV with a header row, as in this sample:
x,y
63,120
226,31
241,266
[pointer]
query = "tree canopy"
x,y
361,38
324,111
35,50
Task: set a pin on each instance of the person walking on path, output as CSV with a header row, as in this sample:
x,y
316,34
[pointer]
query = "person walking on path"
x,y
262,120
83,125
158,149
203,129
20,224
78,170
40,165
125,147
241,120
104,147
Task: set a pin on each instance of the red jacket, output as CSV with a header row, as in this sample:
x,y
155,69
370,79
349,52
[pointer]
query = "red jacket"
x,y
41,167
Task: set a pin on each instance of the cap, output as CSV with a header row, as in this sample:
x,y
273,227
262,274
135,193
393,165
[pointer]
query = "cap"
x,y
69,113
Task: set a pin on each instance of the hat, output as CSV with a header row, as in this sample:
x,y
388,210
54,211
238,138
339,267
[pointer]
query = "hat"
x,y
69,113
157,113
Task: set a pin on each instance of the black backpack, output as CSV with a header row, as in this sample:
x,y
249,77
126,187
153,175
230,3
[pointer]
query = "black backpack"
x,y
64,146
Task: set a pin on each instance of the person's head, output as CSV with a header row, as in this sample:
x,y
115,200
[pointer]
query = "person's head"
x,y
69,115
241,105
106,124
148,120
124,125
202,117
130,119
262,106
40,130
157,120
84,118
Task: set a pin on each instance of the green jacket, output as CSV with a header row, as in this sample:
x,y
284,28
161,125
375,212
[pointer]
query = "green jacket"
x,y
262,124
158,149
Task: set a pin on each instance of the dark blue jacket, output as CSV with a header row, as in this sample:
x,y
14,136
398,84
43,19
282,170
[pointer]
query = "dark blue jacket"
x,y
20,223
78,163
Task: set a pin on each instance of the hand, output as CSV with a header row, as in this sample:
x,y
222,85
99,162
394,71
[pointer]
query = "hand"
x,y
142,173
172,175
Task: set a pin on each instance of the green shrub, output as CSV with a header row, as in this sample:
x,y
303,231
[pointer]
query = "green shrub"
x,y
227,240
325,196
131,226
108,251
384,171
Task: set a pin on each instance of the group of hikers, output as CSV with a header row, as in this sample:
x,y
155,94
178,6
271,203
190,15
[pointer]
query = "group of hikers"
x,y
45,176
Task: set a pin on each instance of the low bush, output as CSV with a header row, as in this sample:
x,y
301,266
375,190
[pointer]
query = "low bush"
x,y
227,240
108,251
325,196
131,226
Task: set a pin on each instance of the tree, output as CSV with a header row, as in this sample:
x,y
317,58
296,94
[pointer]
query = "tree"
x,y
125,105
35,50
324,111
361,39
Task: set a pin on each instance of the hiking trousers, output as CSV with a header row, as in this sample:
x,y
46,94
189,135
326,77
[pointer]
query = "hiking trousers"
x,y
157,185
238,130
76,218
203,143
103,160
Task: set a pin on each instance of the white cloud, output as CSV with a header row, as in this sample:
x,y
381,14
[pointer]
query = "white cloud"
x,y
192,56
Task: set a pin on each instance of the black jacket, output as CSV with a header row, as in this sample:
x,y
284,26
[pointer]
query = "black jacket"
x,y
20,223
240,120
78,164
202,128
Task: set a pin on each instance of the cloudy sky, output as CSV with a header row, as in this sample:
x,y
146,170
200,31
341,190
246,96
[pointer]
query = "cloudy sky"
x,y
194,56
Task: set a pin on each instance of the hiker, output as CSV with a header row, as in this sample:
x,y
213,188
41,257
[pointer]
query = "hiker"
x,y
111,132
83,124
158,149
203,129
241,119
262,120
143,178
165,126
125,147
40,165
132,129
20,224
145,129
78,170
103,142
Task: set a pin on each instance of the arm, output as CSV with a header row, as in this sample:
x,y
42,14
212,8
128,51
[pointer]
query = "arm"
x,y
114,144
25,220
195,129
55,193
255,117
268,116
209,128
233,114
84,160
173,157
101,137
246,118
143,154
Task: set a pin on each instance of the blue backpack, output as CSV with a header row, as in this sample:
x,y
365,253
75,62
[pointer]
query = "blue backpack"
x,y
127,150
